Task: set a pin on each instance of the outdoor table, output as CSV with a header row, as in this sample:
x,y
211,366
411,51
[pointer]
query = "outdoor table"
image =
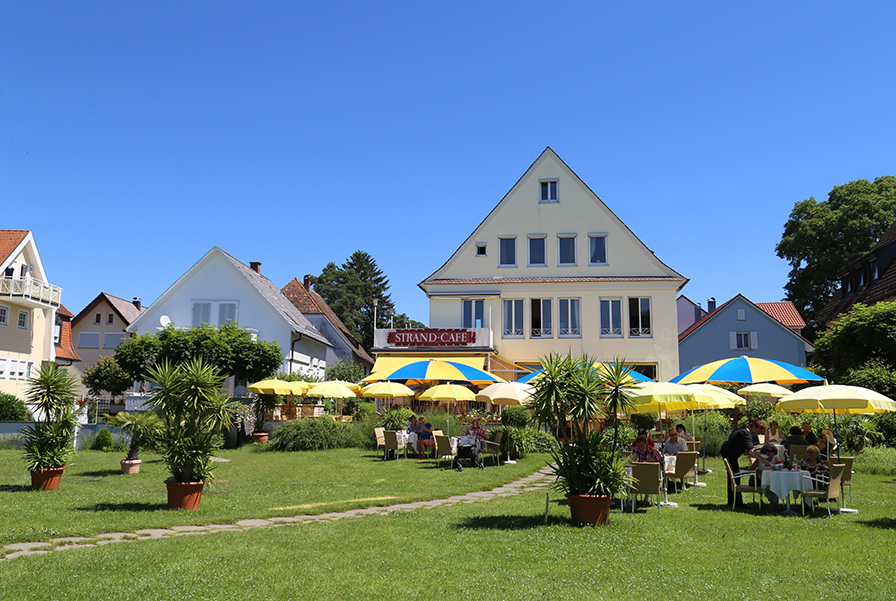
x,y
669,462
784,482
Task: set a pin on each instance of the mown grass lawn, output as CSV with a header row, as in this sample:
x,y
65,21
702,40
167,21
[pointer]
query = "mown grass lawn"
x,y
498,549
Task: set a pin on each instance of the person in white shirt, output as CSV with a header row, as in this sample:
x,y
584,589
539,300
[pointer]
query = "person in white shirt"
x,y
674,444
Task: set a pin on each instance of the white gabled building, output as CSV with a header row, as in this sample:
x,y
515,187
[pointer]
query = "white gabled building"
x,y
553,270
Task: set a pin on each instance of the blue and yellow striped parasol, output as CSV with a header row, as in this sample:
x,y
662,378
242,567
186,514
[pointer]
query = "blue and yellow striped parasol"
x,y
746,370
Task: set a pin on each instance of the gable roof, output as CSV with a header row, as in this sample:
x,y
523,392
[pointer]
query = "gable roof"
x,y
65,349
309,302
785,312
762,311
548,154
9,242
125,309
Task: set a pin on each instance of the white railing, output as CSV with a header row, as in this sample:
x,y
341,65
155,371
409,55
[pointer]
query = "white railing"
x,y
542,332
30,288
639,332
611,332
570,332
512,332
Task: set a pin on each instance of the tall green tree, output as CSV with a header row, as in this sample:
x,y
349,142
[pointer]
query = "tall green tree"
x,y
858,344
822,237
106,374
350,291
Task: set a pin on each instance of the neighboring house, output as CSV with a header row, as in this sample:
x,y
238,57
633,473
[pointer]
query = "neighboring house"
x,y
689,312
743,328
345,346
218,290
28,305
66,355
869,280
551,269
99,328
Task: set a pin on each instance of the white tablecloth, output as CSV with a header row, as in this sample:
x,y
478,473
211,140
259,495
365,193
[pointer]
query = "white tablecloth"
x,y
669,463
778,447
783,482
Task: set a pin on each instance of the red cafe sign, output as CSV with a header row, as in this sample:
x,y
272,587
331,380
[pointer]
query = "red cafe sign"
x,y
431,337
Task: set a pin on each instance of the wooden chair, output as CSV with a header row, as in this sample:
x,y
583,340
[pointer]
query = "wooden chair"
x,y
694,445
742,488
832,493
798,453
492,447
443,449
647,480
392,443
685,467
380,439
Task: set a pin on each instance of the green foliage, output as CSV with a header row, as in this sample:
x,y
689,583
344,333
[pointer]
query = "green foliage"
x,y
821,237
543,442
230,349
144,428
396,419
103,440
106,374
647,421
860,339
446,422
349,290
876,460
885,423
190,400
875,375
713,428
48,443
518,442
758,409
347,371
358,407
855,432
12,409
515,416
262,404
310,434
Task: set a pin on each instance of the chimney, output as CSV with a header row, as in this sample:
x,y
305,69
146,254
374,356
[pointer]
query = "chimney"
x,y
711,304
308,283
698,312
136,302
255,266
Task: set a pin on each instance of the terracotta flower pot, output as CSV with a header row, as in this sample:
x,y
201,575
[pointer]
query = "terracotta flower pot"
x,y
47,479
260,437
130,466
590,509
184,495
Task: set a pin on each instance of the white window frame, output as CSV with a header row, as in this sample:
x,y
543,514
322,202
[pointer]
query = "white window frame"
x,y
501,257
560,238
4,315
636,326
23,323
549,187
473,303
481,249
610,331
591,238
545,329
571,309
214,311
97,318
544,249
744,340
513,316
83,343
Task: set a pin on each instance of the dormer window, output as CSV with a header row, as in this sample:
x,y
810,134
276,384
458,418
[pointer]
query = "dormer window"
x,y
548,190
872,270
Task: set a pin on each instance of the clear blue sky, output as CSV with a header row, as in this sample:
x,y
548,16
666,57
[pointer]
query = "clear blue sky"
x,y
137,135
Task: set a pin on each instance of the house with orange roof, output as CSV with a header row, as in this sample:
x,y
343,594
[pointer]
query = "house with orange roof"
x,y
741,327
28,307
312,305
66,355
99,327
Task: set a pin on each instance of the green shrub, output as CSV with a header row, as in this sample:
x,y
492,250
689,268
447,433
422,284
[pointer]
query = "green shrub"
x,y
515,416
713,428
103,441
518,442
876,460
12,409
310,434
544,442
445,422
11,442
361,435
643,420
886,425
396,419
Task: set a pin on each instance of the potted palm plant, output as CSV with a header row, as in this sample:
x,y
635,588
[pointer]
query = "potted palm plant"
x,y
48,442
194,409
142,427
571,395
263,403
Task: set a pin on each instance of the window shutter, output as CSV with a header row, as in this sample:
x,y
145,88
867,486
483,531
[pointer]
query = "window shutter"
x,y
732,336
226,313
754,340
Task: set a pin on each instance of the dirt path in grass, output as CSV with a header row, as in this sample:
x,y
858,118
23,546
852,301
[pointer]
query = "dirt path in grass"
x,y
535,481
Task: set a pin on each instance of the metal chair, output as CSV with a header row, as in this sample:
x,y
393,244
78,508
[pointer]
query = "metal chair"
x,y
742,488
831,493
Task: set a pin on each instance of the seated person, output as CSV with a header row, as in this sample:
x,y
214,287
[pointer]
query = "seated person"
x,y
476,430
415,428
808,434
823,450
426,438
642,432
674,444
794,438
773,434
642,452
683,433
815,466
767,459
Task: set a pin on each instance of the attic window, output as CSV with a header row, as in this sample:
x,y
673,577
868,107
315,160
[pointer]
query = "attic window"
x,y
480,249
548,190
872,271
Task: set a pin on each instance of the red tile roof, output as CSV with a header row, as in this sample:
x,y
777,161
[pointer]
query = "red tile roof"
x,y
65,349
553,280
785,312
709,316
309,302
703,320
125,308
9,241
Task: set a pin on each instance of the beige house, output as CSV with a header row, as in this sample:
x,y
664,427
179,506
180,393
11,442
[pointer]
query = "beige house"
x,y
551,269
99,328
28,305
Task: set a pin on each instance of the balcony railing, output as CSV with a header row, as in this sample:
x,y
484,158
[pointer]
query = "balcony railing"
x,y
29,288
639,332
